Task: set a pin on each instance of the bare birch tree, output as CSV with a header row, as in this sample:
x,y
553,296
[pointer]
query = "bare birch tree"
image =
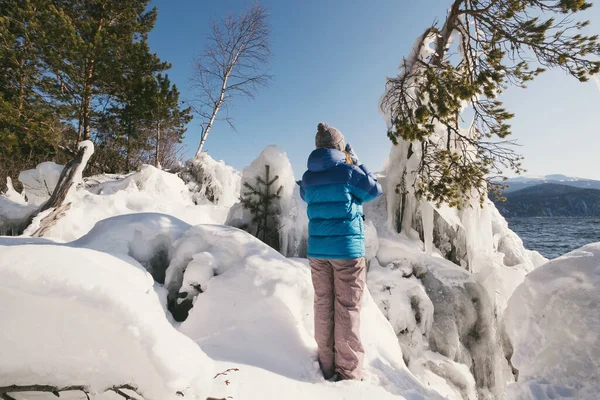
x,y
234,63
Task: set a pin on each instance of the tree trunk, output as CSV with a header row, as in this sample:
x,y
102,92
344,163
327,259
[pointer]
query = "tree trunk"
x,y
216,109
21,85
156,160
208,127
79,126
128,156
444,35
65,181
59,195
87,100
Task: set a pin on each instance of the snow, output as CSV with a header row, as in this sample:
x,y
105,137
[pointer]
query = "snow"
x,y
149,190
371,240
13,214
11,194
39,183
253,307
544,178
440,319
211,182
255,314
553,322
443,318
77,316
146,237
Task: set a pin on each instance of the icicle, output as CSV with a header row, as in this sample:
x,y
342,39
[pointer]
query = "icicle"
x,y
427,216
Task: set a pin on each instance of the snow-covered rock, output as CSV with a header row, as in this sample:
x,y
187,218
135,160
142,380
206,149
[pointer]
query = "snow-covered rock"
x,y
446,313
146,237
444,320
553,324
74,316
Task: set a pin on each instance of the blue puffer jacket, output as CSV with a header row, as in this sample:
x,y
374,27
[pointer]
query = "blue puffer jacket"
x,y
335,192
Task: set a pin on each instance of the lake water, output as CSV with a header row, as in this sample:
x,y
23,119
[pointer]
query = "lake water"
x,y
553,236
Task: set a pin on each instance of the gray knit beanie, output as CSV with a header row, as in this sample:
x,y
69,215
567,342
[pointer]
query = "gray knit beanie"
x,y
329,138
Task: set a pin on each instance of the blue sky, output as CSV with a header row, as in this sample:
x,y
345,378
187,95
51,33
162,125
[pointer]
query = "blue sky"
x,y
330,61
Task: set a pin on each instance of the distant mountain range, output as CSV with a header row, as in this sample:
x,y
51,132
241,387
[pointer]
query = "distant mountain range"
x,y
522,182
548,199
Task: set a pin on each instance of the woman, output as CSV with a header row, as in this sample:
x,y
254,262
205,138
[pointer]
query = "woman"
x,y
335,187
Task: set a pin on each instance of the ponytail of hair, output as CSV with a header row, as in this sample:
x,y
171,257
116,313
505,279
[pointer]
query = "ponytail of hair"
x,y
348,158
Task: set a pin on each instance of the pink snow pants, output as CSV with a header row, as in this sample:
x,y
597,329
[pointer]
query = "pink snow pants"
x,y
339,286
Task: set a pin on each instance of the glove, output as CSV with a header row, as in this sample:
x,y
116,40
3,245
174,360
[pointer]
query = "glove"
x,y
352,154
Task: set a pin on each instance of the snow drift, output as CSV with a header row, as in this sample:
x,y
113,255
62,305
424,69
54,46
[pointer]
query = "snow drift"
x,y
74,316
146,237
553,324
104,196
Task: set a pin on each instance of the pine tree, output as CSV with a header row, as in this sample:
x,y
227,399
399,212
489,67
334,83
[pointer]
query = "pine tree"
x,y
30,126
145,123
496,43
84,69
261,201
97,38
126,123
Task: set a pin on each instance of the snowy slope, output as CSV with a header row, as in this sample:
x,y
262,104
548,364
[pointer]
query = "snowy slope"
x,y
553,323
254,314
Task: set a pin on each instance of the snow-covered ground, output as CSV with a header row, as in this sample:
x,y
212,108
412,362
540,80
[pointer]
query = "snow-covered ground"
x,y
254,315
95,302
